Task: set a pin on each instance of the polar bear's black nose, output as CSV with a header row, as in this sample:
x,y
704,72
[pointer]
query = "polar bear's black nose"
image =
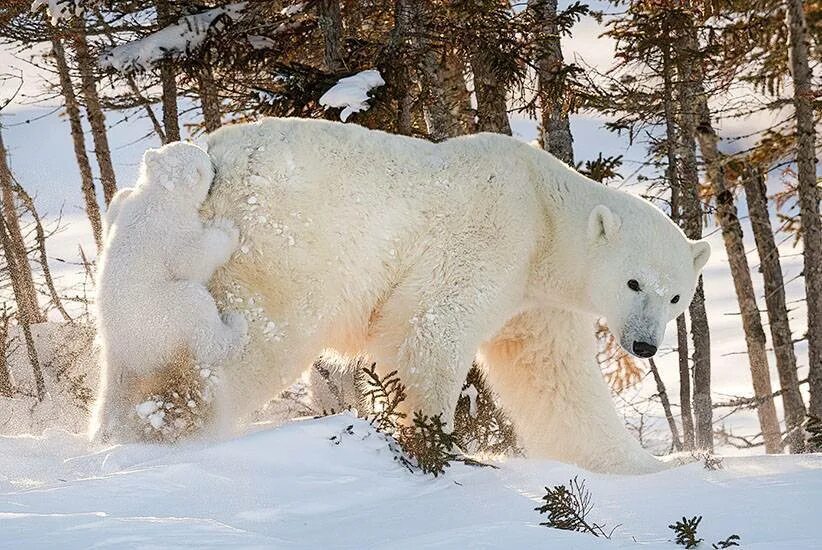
x,y
644,349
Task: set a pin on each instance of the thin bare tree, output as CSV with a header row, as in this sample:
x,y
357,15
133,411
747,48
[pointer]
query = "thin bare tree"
x,y
26,294
755,193
555,129
94,110
692,219
732,236
168,79
78,140
803,101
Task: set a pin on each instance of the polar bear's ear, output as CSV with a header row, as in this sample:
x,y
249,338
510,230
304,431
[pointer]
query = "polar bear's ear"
x,y
701,251
603,225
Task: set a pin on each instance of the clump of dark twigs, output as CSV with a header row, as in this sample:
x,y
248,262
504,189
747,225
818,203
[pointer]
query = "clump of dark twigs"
x,y
425,445
568,508
686,534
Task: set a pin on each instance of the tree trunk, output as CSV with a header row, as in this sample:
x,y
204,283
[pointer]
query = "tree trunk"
x,y
808,194
781,337
492,105
331,26
168,81
209,100
555,131
402,74
135,89
26,293
40,236
6,389
446,102
94,112
751,322
666,405
691,214
78,140
24,317
728,220
686,411
445,99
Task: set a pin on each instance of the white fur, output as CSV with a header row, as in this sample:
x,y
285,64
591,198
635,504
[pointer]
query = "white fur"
x,y
152,300
423,255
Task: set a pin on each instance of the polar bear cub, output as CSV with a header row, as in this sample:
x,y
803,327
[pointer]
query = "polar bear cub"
x,y
153,306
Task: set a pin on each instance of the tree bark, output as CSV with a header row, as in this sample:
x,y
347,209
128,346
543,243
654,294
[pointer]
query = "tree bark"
x,y
330,21
755,193
6,389
135,89
732,236
40,236
26,293
168,81
808,194
209,100
24,316
666,405
686,411
446,102
492,104
555,130
402,75
691,215
445,99
94,112
78,140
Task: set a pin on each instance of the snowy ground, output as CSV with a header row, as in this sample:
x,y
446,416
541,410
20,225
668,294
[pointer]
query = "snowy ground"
x,y
293,487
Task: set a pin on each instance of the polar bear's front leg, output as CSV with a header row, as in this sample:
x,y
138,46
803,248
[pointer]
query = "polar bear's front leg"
x,y
429,329
543,367
198,260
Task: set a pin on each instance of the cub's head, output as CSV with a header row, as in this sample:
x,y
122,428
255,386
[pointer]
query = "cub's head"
x,y
180,169
643,272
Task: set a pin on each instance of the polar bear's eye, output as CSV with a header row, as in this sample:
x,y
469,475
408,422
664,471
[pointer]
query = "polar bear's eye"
x,y
675,299
633,285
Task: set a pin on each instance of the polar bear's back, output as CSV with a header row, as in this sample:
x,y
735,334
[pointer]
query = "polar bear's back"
x,y
329,184
317,201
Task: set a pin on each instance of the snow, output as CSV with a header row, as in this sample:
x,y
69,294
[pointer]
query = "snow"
x,y
351,93
170,42
59,10
292,487
471,393
293,9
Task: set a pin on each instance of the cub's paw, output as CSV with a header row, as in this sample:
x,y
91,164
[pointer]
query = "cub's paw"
x,y
229,229
175,415
237,323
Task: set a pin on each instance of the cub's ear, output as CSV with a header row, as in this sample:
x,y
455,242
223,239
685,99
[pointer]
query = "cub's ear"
x,y
701,251
154,171
603,225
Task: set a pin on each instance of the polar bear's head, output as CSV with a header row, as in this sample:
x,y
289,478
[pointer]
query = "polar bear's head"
x,y
644,272
179,169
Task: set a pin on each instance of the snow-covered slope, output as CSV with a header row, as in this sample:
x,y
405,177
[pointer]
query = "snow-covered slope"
x,y
293,487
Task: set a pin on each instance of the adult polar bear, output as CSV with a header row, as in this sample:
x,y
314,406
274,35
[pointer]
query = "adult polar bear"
x,y
426,256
